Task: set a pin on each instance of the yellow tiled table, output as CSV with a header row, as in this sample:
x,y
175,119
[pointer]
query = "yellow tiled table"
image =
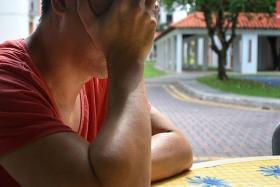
x,y
243,172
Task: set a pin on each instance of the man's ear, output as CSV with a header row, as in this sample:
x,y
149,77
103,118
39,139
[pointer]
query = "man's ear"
x,y
59,7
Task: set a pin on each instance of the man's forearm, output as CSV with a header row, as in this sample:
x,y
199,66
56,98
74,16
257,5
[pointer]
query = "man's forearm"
x,y
122,150
121,153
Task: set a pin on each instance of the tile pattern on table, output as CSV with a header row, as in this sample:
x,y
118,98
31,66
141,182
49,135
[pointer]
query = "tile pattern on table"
x,y
264,173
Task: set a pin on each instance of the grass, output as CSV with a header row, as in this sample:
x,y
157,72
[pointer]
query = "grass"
x,y
151,72
242,87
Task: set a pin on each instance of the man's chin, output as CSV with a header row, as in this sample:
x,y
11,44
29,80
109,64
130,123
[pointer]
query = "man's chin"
x,y
101,75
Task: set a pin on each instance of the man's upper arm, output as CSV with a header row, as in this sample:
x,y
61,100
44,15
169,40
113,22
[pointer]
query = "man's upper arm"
x,y
36,148
57,160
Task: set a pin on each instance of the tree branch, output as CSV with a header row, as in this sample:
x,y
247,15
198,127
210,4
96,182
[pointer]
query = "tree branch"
x,y
233,29
210,26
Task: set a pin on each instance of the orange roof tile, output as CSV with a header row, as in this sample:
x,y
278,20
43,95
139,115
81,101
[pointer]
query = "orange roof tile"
x,y
245,21
192,21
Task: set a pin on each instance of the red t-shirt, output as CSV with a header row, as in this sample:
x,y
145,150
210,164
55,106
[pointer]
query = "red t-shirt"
x,y
27,108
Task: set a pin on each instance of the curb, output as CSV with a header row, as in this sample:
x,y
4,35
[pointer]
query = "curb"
x,y
254,102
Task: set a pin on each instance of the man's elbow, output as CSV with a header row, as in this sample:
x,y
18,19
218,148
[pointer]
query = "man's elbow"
x,y
189,158
186,153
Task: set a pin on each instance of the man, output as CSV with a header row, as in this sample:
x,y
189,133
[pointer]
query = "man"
x,y
54,101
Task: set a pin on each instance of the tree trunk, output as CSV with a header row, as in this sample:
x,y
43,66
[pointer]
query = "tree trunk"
x,y
276,60
222,59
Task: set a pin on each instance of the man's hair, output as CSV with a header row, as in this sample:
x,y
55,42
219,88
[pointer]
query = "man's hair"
x,y
46,5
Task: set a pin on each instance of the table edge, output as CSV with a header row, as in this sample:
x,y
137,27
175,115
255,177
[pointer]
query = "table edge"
x,y
232,161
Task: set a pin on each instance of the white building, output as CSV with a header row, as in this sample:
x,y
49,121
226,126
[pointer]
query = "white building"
x,y
17,18
186,43
171,16
167,17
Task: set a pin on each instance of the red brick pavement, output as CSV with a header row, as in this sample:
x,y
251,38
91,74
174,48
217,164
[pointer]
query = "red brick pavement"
x,y
218,131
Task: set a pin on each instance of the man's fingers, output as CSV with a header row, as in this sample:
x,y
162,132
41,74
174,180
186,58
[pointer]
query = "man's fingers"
x,y
157,9
153,6
150,4
141,2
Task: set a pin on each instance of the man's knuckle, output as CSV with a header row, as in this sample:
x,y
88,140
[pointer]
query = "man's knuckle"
x,y
153,21
150,19
147,16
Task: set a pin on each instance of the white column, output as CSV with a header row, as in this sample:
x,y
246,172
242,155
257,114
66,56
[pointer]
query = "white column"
x,y
169,52
196,45
200,51
249,56
189,47
205,53
165,55
159,55
179,52
229,52
173,49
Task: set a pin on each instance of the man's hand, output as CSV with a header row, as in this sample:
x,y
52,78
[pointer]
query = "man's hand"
x,y
125,29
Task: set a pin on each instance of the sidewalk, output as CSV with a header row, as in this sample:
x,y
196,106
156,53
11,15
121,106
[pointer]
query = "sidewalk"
x,y
188,83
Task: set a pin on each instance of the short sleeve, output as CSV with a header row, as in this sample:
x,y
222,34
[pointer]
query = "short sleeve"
x,y
26,110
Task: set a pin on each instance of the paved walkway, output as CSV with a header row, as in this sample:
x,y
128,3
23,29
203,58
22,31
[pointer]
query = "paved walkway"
x,y
215,130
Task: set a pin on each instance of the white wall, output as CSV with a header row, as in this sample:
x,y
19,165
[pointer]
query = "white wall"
x,y
167,54
214,59
247,66
14,19
200,51
237,54
179,52
35,12
178,14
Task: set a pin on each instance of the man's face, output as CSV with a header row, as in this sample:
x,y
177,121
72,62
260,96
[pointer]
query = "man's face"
x,y
74,29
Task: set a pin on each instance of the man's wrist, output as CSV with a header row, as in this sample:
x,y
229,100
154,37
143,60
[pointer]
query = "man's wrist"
x,y
125,67
126,55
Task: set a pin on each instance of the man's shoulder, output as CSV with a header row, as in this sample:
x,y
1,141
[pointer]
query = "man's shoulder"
x,y
14,54
17,72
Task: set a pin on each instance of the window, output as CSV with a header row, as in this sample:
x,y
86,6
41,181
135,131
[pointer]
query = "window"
x,y
250,51
169,18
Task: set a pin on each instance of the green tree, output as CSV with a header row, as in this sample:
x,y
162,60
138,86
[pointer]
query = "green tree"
x,y
221,17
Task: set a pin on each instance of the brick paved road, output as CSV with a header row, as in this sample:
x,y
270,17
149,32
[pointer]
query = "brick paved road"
x,y
218,131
